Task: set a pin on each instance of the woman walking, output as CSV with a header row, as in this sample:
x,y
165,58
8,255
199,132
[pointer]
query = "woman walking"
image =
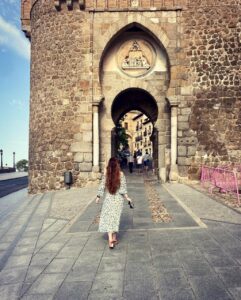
x,y
113,184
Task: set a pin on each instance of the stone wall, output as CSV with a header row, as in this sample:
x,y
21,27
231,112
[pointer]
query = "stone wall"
x,y
210,115
61,97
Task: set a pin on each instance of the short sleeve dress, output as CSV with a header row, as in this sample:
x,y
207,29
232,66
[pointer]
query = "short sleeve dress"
x,y
112,206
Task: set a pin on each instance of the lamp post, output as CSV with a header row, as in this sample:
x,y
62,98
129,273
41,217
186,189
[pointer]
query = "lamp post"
x,y
1,152
14,160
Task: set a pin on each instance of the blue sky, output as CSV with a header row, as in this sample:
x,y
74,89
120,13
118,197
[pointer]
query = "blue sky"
x,y
14,83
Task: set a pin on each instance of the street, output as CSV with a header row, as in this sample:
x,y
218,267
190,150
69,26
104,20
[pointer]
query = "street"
x,y
12,185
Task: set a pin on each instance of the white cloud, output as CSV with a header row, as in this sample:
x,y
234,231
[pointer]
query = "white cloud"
x,y
13,38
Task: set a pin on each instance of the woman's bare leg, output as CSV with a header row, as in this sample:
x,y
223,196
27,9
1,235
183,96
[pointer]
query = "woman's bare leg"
x,y
111,244
114,237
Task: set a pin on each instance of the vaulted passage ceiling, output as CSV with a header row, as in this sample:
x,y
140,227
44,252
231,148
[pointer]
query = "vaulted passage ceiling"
x,y
134,99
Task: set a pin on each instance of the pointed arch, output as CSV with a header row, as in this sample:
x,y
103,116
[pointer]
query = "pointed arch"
x,y
116,29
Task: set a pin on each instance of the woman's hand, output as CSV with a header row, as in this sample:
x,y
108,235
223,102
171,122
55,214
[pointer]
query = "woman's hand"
x,y
97,200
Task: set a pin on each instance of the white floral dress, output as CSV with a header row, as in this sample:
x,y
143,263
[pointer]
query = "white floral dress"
x,y
112,206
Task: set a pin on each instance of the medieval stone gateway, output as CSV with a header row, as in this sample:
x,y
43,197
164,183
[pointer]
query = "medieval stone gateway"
x,y
92,61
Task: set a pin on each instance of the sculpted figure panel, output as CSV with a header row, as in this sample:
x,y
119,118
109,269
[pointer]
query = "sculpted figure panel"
x,y
136,57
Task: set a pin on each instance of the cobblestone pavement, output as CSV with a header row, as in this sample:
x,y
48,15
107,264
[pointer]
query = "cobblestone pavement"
x,y
51,252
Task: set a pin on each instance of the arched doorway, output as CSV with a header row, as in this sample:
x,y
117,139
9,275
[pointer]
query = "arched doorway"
x,y
135,99
134,75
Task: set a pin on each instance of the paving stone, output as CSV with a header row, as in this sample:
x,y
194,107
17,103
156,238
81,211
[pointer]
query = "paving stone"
x,y
23,250
42,259
96,244
85,267
80,226
10,291
177,293
219,259
69,251
190,254
235,292
231,276
38,297
197,268
109,264
109,283
172,279
165,260
139,255
104,296
78,290
138,271
26,241
4,246
59,265
13,275
140,289
47,284
18,261
209,288
52,247
33,273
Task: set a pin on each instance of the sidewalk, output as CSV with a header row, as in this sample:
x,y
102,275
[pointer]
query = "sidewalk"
x,y
50,249
13,175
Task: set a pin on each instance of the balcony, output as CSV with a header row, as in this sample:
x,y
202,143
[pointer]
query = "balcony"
x,y
138,138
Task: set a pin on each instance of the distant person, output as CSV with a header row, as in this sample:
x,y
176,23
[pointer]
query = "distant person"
x,y
130,162
150,164
113,184
139,160
146,160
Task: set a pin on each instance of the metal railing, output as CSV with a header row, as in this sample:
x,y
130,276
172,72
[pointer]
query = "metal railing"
x,y
226,180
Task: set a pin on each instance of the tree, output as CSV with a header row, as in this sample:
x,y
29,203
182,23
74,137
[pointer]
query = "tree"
x,y
122,137
22,165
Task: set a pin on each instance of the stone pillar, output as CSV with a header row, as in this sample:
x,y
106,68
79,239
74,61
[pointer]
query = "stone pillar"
x,y
174,169
96,137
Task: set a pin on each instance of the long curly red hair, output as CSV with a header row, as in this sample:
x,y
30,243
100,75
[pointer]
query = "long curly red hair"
x,y
113,175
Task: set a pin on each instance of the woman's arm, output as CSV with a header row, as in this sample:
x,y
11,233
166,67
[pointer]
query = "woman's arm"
x,y
101,189
127,197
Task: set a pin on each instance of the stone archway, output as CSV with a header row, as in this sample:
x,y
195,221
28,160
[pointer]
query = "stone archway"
x,y
135,75
138,100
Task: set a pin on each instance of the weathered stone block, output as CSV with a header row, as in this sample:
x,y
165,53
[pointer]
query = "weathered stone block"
x,y
182,125
81,147
85,167
88,157
87,136
182,150
186,110
78,136
86,126
183,161
183,118
79,157
191,150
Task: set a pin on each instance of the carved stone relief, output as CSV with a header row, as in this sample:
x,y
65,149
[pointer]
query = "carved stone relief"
x,y
134,3
136,57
